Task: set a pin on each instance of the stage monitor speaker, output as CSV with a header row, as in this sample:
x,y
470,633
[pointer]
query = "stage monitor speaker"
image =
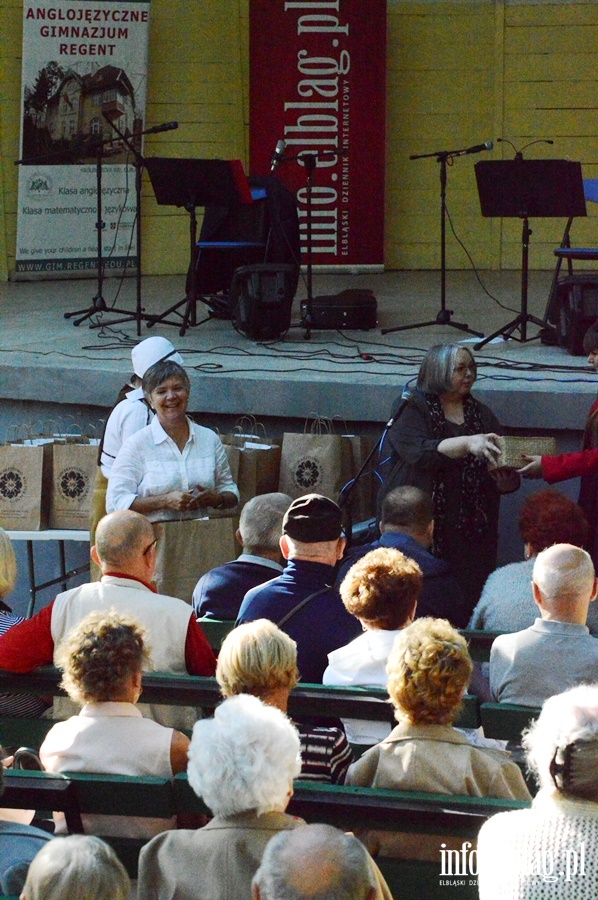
x,y
577,299
261,297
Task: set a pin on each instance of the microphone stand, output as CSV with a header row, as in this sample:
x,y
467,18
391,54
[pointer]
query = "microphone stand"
x,y
139,163
98,304
310,162
444,315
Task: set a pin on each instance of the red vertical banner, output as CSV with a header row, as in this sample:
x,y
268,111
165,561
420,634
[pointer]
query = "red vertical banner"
x,y
318,82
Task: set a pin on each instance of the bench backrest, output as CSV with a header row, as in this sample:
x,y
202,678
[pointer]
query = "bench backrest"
x,y
505,721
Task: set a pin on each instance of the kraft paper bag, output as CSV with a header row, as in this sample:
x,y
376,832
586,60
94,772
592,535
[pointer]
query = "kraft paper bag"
x,y
25,485
258,459
315,463
189,548
362,499
74,465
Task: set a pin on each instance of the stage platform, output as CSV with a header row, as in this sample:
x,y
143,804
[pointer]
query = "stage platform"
x,y
52,372
49,368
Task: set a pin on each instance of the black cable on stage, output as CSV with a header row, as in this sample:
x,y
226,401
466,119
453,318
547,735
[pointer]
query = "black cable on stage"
x,y
474,267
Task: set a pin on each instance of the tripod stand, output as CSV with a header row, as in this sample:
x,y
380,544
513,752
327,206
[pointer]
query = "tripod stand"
x,y
521,188
98,303
443,316
138,315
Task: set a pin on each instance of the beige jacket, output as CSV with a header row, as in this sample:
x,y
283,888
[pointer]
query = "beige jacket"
x,y
216,861
438,759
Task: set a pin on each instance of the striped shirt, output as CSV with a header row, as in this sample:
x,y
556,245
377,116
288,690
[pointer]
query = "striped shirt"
x,y
325,755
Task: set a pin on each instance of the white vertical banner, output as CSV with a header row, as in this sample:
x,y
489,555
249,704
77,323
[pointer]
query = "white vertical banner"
x,y
84,66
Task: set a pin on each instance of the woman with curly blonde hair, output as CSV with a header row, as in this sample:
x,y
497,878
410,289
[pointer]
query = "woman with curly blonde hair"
x,y
428,672
102,660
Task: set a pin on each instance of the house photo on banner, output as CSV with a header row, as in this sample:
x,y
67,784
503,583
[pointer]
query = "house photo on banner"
x,y
84,70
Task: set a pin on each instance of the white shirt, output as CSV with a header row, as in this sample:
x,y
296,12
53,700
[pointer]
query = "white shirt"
x,y
112,738
362,662
127,417
149,462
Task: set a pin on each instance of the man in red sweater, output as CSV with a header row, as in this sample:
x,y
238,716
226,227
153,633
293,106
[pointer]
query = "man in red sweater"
x,y
125,550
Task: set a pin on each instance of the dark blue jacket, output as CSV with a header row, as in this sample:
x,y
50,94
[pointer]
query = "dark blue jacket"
x,y
219,593
321,626
441,595
19,844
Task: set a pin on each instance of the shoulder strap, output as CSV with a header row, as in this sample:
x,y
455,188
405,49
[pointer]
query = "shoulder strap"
x,y
303,603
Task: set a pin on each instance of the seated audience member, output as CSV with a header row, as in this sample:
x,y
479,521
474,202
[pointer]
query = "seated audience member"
x,y
19,844
242,763
407,524
557,652
125,550
317,861
551,850
13,704
507,602
428,672
219,593
258,658
76,868
302,601
382,591
102,660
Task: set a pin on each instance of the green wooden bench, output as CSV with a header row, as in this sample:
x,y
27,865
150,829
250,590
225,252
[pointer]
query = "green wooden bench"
x,y
216,630
22,732
479,642
349,808
506,721
306,700
43,791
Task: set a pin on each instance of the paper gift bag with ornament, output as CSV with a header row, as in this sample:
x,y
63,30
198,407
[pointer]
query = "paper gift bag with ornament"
x,y
25,484
315,462
74,463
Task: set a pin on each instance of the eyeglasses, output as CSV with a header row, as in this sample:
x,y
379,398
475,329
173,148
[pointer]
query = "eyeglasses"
x,y
149,547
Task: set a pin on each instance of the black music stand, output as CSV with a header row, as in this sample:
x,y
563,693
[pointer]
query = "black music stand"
x,y
524,189
191,183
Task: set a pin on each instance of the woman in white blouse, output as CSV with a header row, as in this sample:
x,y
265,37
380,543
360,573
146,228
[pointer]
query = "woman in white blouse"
x,y
172,468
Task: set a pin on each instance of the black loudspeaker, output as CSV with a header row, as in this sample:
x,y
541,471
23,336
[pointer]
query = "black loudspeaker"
x,y
261,297
351,310
577,299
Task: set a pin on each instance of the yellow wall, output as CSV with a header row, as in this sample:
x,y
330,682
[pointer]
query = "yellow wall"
x,y
458,74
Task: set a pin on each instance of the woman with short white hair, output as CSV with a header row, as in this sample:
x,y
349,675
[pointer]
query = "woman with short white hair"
x,y
77,867
242,763
550,851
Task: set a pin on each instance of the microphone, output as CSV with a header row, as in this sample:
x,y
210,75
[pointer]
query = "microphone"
x,y
487,145
278,155
167,126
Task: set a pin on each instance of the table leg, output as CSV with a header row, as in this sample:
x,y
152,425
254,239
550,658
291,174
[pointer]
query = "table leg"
x,y
32,587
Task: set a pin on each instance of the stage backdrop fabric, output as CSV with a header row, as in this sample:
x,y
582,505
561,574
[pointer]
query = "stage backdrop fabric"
x,y
84,65
318,81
